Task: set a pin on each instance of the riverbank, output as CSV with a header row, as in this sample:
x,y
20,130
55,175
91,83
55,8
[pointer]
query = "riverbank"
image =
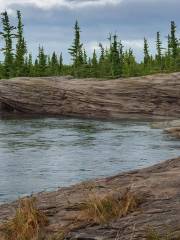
x,y
156,187
153,192
156,96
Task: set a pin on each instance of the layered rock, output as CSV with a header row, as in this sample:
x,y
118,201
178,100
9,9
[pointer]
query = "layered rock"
x,y
157,186
149,96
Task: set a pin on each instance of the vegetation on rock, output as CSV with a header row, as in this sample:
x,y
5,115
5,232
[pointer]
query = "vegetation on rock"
x,y
27,224
101,209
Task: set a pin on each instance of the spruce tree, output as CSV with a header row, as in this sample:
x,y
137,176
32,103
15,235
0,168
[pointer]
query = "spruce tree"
x,y
158,48
75,50
54,64
20,47
94,64
61,64
94,60
173,40
42,62
129,63
146,52
102,56
84,57
36,68
114,57
8,34
30,65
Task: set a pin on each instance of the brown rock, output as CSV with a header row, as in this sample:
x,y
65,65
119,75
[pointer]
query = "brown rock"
x,y
158,186
174,131
150,96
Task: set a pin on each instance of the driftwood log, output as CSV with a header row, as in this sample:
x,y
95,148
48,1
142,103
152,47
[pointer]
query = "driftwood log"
x,y
158,186
150,96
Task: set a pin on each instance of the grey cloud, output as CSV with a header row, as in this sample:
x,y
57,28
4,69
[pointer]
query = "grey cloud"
x,y
131,20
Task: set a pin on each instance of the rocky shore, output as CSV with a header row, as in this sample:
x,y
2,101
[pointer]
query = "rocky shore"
x,y
156,186
156,96
170,127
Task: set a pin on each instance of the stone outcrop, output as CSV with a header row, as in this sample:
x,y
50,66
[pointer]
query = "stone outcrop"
x,y
157,186
174,131
150,96
170,127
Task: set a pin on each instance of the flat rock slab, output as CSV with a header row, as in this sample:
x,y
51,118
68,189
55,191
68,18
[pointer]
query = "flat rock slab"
x,y
150,96
158,186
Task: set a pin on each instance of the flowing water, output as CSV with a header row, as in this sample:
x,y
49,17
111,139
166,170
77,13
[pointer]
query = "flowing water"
x,y
38,154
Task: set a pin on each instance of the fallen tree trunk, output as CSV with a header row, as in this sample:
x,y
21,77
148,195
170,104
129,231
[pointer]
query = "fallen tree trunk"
x,y
157,186
150,96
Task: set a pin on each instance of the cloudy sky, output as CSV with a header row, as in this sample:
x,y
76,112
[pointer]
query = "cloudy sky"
x,y
50,22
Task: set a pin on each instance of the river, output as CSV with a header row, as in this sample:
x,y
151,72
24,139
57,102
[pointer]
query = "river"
x,y
42,154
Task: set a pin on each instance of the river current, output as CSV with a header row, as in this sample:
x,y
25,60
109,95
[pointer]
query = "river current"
x,y
42,154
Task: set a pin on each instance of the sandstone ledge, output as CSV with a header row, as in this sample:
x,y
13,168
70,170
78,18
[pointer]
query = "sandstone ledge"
x,y
160,209
156,96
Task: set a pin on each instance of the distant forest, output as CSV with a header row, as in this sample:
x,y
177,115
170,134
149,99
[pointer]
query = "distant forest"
x,y
112,62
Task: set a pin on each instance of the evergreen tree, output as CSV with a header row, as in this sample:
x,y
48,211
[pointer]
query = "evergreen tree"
x,y
173,40
146,52
42,62
8,35
94,64
101,59
129,63
84,57
61,64
114,57
94,60
169,45
158,48
30,65
54,64
76,49
112,62
35,68
104,66
20,47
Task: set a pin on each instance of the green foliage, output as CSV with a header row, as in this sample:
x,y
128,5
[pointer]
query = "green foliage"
x,y
146,53
20,48
76,51
115,57
60,64
159,51
173,40
8,35
54,64
42,62
108,62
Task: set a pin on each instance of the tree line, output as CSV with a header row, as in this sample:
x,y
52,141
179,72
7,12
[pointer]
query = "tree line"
x,y
110,62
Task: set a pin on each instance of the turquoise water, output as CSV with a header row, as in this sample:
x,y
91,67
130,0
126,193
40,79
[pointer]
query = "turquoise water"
x,y
38,154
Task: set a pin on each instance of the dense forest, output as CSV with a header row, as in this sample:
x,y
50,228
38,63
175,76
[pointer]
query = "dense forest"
x,y
110,62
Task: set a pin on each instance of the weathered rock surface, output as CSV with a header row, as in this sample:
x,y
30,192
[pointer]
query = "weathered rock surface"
x,y
150,96
170,127
166,124
158,186
173,131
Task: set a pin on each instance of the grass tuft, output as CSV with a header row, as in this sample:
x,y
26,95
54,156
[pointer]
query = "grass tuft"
x,y
101,209
27,224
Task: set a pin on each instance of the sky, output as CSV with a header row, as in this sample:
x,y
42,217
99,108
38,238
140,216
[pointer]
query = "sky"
x,y
50,22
